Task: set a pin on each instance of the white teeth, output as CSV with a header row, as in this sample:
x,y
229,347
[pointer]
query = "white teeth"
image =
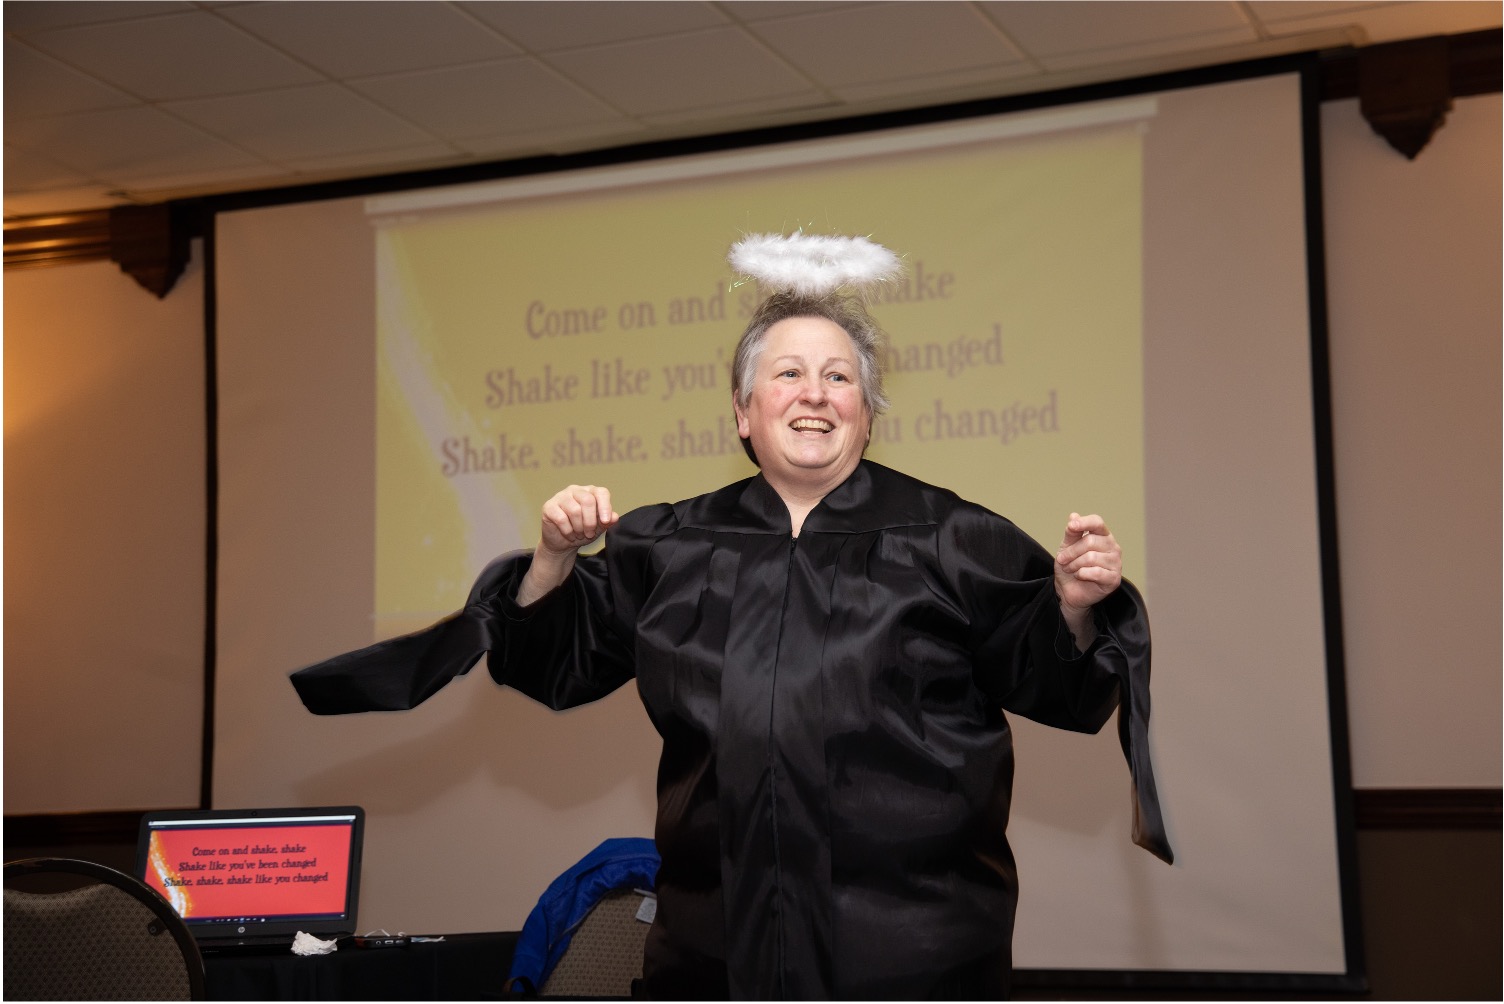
x,y
810,425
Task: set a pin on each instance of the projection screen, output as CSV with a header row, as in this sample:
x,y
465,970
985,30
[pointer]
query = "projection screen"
x,y
1105,309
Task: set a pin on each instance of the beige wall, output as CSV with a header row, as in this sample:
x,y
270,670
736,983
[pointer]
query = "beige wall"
x,y
104,540
1413,268
104,473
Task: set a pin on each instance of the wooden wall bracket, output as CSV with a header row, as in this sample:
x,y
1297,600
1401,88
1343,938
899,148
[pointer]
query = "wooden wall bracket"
x,y
1405,91
150,244
1402,92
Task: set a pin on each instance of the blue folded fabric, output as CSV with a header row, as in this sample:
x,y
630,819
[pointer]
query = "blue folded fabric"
x,y
618,863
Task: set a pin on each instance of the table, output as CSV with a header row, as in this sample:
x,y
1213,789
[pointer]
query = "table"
x,y
461,967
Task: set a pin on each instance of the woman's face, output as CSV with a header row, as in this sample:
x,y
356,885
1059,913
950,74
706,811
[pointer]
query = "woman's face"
x,y
805,413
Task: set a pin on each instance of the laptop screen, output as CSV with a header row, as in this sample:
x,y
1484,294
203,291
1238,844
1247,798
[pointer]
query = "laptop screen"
x,y
235,874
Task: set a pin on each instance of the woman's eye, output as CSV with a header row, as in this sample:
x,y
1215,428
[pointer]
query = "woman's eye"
x,y
789,373
838,377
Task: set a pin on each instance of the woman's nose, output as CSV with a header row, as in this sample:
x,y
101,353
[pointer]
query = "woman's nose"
x,y
813,390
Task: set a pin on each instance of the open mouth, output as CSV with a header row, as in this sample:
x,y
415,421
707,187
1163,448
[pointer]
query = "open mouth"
x,y
811,425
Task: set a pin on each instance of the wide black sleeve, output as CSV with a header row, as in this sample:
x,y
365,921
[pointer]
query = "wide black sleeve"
x,y
401,673
577,643
572,646
1028,664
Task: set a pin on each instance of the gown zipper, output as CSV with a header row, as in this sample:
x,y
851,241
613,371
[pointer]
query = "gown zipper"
x,y
788,574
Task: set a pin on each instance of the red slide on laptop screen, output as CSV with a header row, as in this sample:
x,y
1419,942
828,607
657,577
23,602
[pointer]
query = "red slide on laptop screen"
x,y
239,871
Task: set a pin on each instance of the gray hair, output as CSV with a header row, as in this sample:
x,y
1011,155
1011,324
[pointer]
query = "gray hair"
x,y
848,312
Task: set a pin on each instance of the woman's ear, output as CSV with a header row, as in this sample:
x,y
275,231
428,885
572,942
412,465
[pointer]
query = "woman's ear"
x,y
743,426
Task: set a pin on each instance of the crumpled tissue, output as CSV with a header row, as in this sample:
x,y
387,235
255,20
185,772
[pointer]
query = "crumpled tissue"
x,y
307,944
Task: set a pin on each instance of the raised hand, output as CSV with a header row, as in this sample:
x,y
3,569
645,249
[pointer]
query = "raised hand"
x,y
574,518
1088,567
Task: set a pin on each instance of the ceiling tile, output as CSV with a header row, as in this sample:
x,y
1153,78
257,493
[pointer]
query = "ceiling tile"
x,y
1045,28
1281,10
867,44
545,27
1391,22
363,38
64,200
324,120
763,10
957,85
39,85
556,141
688,71
1206,42
169,184
614,73
493,148
171,57
26,171
735,115
126,142
35,15
515,95
382,161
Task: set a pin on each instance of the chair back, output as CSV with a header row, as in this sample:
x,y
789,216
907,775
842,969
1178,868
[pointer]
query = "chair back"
x,y
76,930
605,955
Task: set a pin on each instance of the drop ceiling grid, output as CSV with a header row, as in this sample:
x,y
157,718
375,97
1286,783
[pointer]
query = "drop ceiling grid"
x,y
124,95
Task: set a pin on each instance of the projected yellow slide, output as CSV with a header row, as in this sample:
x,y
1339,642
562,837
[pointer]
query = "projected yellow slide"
x,y
584,336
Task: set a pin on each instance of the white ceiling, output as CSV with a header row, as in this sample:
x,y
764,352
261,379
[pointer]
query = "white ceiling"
x,y
144,100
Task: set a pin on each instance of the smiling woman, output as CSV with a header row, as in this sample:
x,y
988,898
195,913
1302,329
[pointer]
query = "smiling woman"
x,y
804,414
827,650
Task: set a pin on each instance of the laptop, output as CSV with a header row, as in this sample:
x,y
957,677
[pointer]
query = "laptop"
x,y
253,878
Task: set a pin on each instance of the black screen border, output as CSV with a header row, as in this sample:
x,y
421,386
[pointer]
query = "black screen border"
x,y
289,924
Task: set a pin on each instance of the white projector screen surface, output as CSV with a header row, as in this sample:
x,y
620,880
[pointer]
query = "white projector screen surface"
x,y
528,341
1105,310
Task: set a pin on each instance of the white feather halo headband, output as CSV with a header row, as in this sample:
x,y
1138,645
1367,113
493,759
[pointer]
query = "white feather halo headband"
x,y
813,265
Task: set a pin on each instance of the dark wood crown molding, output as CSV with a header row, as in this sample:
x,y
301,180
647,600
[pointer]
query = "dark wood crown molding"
x,y
57,238
1427,808
151,244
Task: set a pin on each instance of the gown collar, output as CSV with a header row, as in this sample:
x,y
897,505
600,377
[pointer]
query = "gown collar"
x,y
872,498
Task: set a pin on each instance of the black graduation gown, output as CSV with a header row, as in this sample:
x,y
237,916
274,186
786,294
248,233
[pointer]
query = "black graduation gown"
x,y
836,771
